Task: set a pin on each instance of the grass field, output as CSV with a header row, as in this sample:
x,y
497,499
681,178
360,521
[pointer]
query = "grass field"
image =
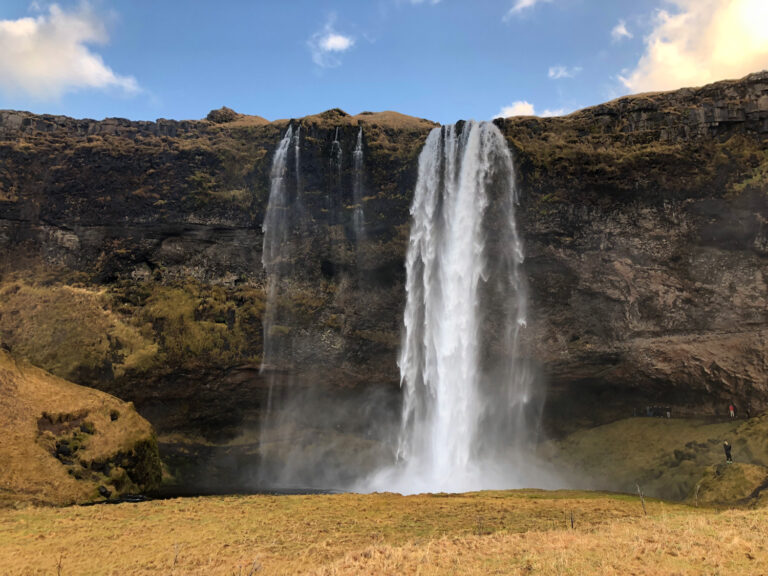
x,y
516,532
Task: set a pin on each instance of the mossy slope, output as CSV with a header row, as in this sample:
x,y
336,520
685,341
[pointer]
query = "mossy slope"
x,y
668,458
61,441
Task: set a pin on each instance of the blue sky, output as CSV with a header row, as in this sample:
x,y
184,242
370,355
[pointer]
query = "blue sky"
x,y
443,60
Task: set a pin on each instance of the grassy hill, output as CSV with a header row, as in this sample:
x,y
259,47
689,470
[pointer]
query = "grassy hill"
x,y
61,441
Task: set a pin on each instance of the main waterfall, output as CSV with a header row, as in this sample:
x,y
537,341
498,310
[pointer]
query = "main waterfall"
x,y
469,406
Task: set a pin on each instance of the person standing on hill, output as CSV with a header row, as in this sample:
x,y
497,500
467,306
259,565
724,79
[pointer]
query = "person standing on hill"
x,y
732,411
727,449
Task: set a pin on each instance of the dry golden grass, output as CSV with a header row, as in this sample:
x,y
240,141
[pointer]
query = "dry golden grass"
x,y
386,119
28,470
396,120
519,532
732,543
247,120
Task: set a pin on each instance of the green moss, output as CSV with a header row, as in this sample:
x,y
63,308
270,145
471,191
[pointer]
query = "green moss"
x,y
88,428
757,178
196,324
146,469
70,330
278,330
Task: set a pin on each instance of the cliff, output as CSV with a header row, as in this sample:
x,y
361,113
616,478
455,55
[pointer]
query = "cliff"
x,y
647,240
130,255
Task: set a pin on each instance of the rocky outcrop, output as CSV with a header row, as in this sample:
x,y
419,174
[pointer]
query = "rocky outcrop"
x,y
133,251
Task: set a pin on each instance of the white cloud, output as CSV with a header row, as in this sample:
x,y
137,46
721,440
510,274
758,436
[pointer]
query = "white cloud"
x,y
521,5
326,45
425,1
336,43
523,108
47,56
558,72
620,31
703,41
519,108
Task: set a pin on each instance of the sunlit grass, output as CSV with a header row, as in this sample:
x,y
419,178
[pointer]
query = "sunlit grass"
x,y
483,533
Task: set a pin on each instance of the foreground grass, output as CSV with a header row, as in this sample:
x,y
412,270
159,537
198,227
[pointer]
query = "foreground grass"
x,y
518,532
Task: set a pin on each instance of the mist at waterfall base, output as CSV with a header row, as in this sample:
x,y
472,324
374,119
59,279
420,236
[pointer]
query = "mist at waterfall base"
x,y
467,415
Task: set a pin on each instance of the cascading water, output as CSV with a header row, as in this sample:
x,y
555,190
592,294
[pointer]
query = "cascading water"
x,y
469,405
280,221
297,163
358,216
335,195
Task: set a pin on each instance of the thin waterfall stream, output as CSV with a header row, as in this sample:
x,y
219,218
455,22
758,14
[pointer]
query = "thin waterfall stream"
x,y
358,174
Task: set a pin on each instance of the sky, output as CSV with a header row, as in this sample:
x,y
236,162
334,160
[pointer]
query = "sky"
x,y
439,59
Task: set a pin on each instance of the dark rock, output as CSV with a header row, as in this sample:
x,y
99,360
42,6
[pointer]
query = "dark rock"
x,y
105,492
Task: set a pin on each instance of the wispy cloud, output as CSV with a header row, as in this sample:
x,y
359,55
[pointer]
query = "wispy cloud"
x,y
619,32
424,1
521,5
558,72
327,45
524,108
703,41
50,54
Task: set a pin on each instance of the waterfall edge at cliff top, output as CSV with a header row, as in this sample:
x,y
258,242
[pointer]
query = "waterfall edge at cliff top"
x,y
471,406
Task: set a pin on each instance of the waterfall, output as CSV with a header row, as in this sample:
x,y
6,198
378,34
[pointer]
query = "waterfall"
x,y
469,402
336,158
279,225
358,216
334,188
297,163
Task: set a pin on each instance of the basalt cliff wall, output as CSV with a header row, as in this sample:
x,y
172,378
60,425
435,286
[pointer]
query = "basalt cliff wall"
x,y
130,255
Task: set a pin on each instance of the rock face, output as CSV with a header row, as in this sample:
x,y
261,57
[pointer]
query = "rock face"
x,y
130,255
647,228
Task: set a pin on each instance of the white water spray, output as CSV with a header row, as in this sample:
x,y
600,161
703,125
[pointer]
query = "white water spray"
x,y
468,407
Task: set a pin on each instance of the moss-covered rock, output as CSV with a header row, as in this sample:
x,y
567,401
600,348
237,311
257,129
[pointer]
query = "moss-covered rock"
x,y
734,484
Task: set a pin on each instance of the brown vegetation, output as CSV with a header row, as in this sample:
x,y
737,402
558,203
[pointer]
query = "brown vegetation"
x,y
520,532
61,441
